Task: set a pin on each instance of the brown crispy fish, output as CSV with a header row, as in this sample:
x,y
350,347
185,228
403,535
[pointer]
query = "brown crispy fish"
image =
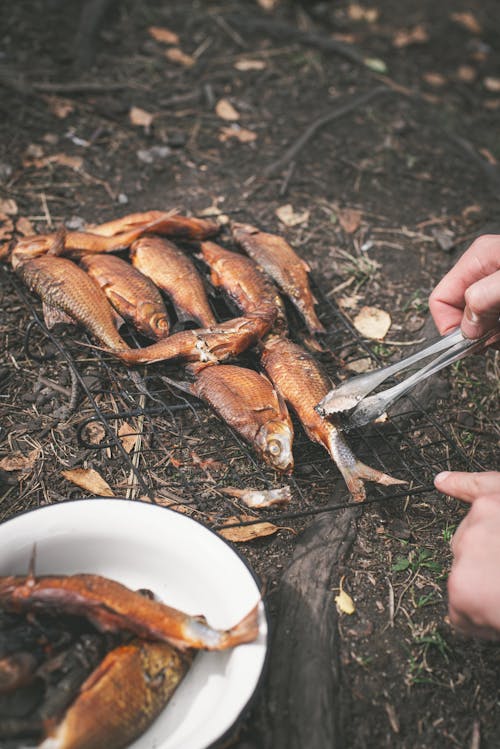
x,y
173,272
169,223
132,294
244,283
302,383
121,698
66,289
247,401
280,262
207,345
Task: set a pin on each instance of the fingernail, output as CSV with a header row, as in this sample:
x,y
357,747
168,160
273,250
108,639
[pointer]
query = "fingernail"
x,y
471,316
441,477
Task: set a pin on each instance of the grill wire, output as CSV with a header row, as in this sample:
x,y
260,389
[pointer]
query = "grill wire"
x,y
413,445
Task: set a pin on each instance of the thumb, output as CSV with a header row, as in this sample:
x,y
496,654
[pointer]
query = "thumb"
x,y
482,306
468,486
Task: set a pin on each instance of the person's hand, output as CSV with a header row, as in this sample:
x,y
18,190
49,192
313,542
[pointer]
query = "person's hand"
x,y
474,581
469,295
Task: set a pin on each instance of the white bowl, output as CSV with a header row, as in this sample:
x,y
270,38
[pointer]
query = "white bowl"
x,y
186,565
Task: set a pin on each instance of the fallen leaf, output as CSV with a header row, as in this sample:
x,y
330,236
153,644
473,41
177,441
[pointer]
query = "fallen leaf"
x,y
491,104
8,206
225,110
94,433
239,133
89,479
24,226
344,602
349,302
19,462
72,162
375,64
175,54
289,217
466,73
349,219
268,4
492,84
164,35
358,12
245,65
406,37
140,117
434,79
247,532
128,436
360,365
490,158
6,227
60,107
372,322
468,21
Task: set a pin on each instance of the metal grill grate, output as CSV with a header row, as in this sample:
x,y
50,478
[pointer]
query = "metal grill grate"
x,y
184,452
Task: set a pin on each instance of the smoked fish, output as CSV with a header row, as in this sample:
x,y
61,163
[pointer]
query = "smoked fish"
x,y
169,223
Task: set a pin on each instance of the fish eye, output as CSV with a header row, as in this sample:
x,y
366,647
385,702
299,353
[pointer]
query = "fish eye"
x,y
274,447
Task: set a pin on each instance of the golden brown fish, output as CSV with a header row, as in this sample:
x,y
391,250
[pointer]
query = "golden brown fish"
x,y
169,223
112,607
247,401
173,272
302,383
121,698
244,282
209,345
280,262
67,289
132,294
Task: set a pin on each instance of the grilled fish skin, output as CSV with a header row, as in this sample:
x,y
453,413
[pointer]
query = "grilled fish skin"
x,y
300,380
169,223
207,345
247,401
112,607
132,294
63,285
173,272
282,263
121,698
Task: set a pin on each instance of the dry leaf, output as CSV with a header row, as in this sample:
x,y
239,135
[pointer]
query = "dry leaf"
x,y
19,462
358,12
89,479
468,21
225,110
491,104
406,37
8,206
490,158
359,365
344,602
72,162
434,79
94,433
492,84
60,107
128,436
372,322
349,219
175,54
466,73
268,4
247,532
24,226
239,133
245,65
6,227
161,34
140,117
289,217
349,302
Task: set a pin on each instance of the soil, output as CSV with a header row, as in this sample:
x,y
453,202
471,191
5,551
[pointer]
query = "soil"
x,y
383,200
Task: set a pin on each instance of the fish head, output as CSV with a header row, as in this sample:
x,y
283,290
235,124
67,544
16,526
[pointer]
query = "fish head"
x,y
274,440
240,231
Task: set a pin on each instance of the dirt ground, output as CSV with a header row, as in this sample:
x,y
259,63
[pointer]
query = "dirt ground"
x,y
379,201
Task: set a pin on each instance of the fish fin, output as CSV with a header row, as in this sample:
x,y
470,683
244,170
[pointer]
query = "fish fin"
x,y
246,630
117,319
183,385
57,246
53,316
30,579
356,475
305,265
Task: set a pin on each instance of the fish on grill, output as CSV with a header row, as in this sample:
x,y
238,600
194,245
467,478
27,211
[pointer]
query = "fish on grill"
x,y
169,223
174,273
134,296
302,383
281,262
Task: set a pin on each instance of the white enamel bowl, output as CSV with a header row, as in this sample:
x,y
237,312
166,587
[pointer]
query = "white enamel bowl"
x,y
186,565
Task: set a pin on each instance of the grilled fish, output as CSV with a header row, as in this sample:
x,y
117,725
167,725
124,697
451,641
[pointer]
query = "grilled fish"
x,y
244,283
121,698
169,223
207,345
65,287
280,262
132,294
247,401
302,383
173,272
112,607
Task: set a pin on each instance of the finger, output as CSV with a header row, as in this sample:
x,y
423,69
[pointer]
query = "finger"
x,y
482,308
468,486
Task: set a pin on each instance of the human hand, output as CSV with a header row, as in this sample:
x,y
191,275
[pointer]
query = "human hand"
x,y
474,580
469,295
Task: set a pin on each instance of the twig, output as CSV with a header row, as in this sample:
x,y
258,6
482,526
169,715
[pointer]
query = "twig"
x,y
78,87
232,34
286,179
312,129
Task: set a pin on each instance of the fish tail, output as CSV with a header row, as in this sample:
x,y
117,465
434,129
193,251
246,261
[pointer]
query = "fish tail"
x,y
245,631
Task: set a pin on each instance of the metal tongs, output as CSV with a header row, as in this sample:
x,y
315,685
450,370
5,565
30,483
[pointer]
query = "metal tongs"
x,y
349,400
